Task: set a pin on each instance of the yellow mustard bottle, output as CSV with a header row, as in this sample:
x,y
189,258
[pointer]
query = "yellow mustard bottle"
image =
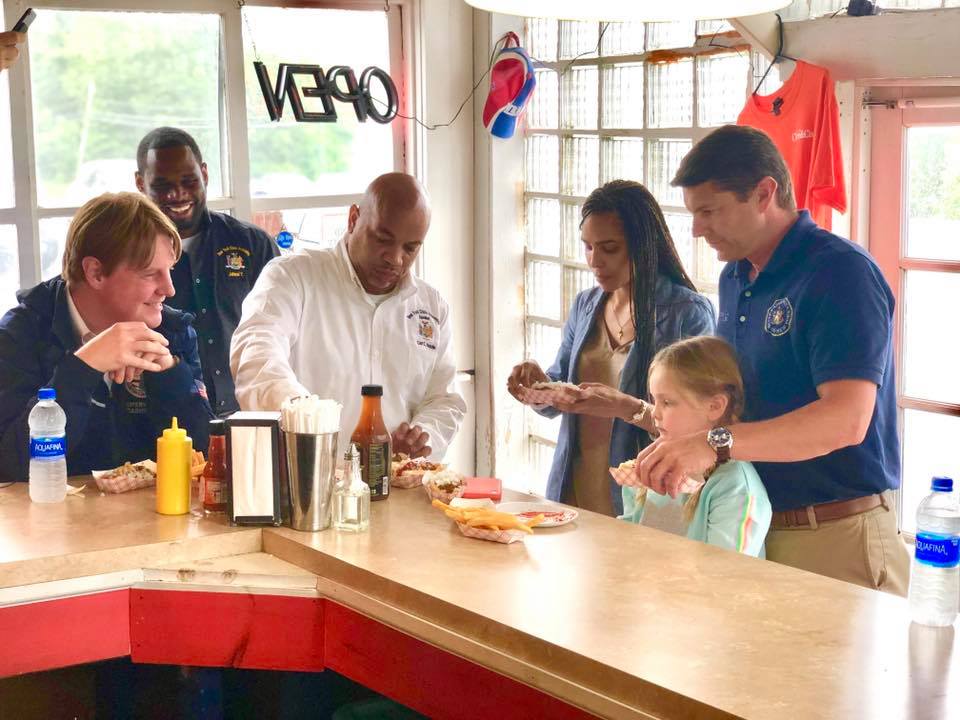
x,y
173,471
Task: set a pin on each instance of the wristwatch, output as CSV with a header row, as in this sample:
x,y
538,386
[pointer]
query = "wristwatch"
x,y
721,440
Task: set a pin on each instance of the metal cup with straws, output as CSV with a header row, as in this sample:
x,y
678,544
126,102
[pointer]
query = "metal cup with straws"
x,y
310,427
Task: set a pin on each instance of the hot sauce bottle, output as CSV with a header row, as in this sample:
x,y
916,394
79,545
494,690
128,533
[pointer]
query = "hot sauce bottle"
x,y
213,481
374,441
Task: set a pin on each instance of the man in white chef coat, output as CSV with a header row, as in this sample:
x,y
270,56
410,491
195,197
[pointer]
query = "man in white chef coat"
x,y
330,321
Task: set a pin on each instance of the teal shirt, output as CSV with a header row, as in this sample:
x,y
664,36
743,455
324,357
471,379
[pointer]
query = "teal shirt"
x,y
733,512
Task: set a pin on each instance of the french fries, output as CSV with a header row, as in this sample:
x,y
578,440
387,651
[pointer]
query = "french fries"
x,y
197,463
487,518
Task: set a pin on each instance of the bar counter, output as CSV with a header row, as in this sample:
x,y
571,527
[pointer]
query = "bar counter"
x,y
612,619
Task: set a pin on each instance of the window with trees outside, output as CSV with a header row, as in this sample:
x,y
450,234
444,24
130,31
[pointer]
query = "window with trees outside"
x,y
98,76
613,100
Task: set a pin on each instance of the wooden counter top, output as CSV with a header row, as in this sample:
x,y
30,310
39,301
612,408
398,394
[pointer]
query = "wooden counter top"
x,y
96,533
619,619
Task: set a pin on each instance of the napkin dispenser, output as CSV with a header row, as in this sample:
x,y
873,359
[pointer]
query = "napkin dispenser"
x,y
254,468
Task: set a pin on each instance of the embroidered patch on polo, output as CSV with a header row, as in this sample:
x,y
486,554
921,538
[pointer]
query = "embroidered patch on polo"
x,y
779,318
426,326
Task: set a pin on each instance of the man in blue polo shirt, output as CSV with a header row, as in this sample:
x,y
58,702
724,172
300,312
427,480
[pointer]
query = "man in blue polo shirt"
x,y
811,318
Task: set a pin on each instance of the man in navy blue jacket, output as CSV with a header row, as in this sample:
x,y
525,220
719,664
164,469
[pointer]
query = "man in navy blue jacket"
x,y
222,256
122,363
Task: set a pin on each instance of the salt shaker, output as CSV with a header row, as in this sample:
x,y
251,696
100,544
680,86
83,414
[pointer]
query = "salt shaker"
x,y
351,496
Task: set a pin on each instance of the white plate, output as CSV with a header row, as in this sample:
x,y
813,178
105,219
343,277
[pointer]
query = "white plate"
x,y
566,514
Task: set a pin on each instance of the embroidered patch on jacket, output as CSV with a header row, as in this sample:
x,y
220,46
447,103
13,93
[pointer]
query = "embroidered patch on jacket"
x,y
426,328
135,387
135,402
234,260
779,317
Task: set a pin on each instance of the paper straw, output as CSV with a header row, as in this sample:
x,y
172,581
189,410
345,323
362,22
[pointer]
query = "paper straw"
x,y
311,415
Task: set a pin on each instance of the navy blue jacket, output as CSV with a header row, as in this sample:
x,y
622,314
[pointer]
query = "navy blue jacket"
x,y
680,313
211,279
107,425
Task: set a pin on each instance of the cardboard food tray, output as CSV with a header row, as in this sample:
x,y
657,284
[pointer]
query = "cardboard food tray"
x,y
123,483
444,497
623,477
548,396
501,536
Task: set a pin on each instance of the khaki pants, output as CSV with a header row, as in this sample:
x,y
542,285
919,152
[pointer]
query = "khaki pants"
x,y
863,549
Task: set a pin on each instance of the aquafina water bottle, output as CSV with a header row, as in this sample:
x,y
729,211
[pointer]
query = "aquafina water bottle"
x,y
935,574
48,449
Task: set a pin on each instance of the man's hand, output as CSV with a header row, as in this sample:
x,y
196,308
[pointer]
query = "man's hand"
x,y
8,47
412,440
669,466
127,347
523,376
128,373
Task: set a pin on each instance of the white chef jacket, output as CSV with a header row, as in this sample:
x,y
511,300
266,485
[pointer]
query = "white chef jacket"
x,y
308,327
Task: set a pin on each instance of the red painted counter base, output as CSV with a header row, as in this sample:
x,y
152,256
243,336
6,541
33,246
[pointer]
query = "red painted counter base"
x,y
263,632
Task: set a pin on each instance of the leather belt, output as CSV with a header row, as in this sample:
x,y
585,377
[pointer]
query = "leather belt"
x,y
813,515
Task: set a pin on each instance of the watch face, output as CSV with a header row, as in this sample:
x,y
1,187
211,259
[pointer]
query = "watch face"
x,y
720,437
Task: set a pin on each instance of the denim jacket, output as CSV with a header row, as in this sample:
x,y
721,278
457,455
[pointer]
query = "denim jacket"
x,y
680,313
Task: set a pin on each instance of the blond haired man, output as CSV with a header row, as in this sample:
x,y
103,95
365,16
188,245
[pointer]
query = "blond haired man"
x,y
121,362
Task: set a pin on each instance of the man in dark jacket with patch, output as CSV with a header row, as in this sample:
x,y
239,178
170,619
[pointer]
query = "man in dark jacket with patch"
x,y
222,256
122,363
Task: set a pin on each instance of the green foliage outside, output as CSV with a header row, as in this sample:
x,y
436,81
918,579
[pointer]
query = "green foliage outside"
x,y
280,147
100,81
935,174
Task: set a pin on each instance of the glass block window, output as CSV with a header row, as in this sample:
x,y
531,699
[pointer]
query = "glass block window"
x,y
609,105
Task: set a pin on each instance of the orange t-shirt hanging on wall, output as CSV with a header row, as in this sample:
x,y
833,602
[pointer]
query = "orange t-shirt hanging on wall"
x,y
807,133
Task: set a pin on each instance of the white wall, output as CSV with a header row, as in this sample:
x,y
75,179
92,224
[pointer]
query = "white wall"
x,y
445,41
499,259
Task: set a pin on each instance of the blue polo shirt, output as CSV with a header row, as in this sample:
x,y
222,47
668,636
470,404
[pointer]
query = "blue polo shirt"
x,y
819,311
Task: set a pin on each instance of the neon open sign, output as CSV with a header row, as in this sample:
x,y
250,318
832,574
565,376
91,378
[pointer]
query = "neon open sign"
x,y
326,88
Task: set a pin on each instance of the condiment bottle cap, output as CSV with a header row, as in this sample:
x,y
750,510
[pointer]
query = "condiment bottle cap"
x,y
174,432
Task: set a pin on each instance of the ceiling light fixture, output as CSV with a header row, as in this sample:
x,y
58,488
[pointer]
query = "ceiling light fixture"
x,y
625,10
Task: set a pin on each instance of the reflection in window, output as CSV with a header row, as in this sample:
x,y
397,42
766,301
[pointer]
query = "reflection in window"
x,y
6,146
9,268
312,227
929,354
933,215
53,238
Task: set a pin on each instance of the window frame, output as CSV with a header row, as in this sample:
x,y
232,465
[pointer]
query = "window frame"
x,y
26,214
887,235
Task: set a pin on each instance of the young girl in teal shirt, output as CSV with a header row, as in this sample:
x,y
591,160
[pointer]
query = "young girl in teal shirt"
x,y
695,385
